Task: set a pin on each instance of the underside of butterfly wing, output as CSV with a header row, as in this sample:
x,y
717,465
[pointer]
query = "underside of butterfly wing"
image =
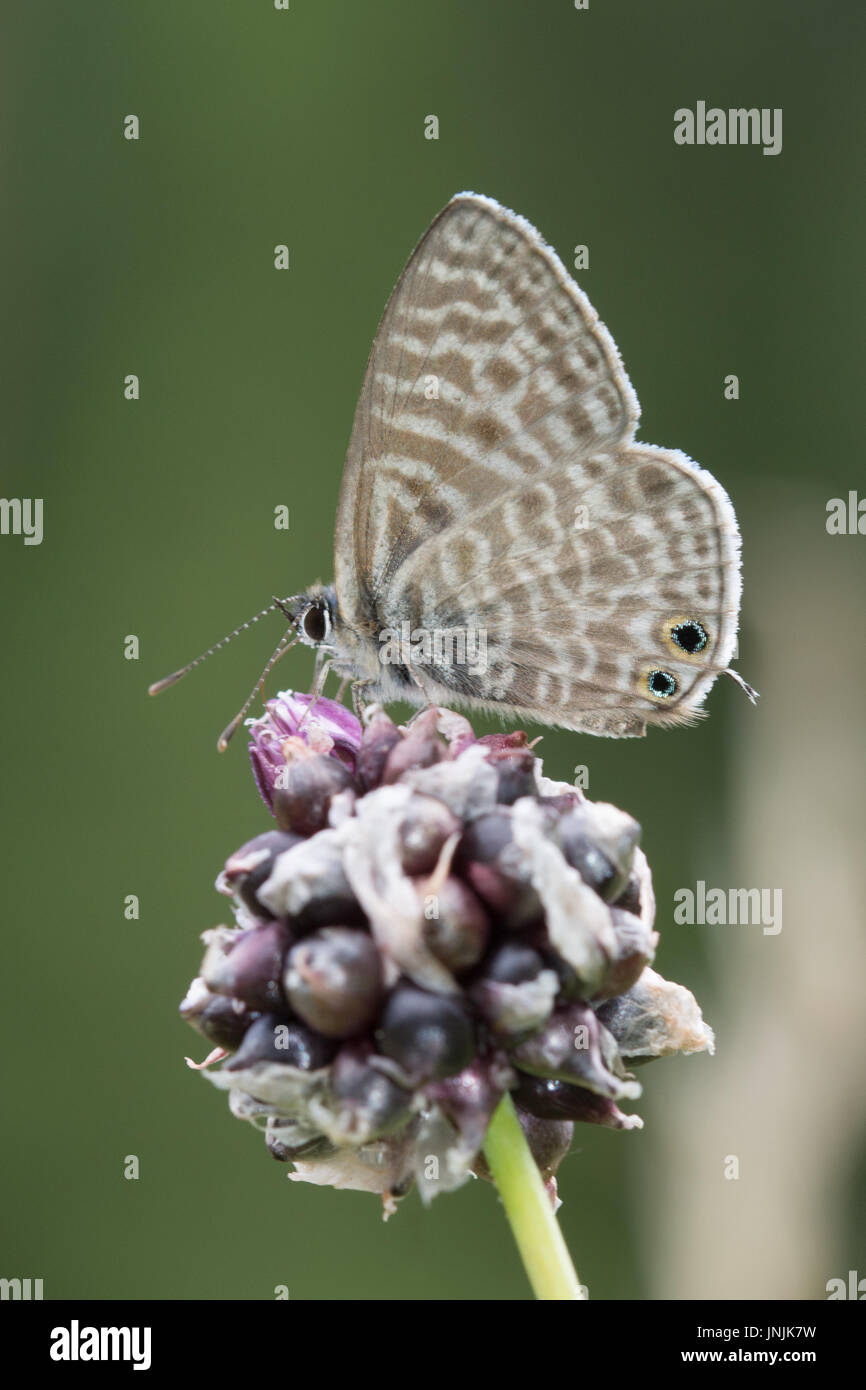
x,y
603,597
483,337
492,487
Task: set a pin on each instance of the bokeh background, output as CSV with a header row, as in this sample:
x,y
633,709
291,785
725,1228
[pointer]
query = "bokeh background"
x,y
155,257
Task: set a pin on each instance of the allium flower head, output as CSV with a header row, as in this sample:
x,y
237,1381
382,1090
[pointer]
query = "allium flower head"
x,y
432,923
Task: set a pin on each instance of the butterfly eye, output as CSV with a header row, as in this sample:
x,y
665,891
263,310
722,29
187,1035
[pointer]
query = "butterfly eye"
x,y
690,636
314,623
661,684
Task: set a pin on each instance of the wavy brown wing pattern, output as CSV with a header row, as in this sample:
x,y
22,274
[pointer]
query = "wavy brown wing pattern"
x,y
492,484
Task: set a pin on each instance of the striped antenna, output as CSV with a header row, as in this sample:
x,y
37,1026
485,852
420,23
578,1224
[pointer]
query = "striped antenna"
x,y
159,686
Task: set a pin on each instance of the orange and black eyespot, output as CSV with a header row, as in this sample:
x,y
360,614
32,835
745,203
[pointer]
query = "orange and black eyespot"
x,y
689,635
661,685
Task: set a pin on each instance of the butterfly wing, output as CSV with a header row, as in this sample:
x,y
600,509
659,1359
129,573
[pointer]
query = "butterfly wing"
x,y
574,589
495,404
484,336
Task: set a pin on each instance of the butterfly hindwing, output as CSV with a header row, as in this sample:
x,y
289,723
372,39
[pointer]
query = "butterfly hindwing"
x,y
579,588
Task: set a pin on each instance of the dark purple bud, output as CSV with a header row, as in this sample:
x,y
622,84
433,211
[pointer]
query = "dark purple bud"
x,y
308,885
638,897
423,832
594,867
249,866
305,788
570,984
630,898
582,853
222,1021
275,1038
248,965
334,981
551,1100
428,1035
492,863
516,906
549,1141
569,1048
512,963
599,841
370,1103
514,763
486,837
521,910
422,747
515,776
456,926
516,993
557,1100
470,1098
377,741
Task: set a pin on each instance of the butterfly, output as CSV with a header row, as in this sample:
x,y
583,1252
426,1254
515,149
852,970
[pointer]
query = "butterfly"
x,y
503,543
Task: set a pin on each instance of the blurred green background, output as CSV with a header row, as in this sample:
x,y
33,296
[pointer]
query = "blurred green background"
x,y
155,257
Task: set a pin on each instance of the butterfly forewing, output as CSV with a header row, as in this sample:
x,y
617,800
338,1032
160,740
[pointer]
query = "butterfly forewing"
x,y
484,337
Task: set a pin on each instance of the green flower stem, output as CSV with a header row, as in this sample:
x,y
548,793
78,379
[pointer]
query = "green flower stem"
x,y
528,1208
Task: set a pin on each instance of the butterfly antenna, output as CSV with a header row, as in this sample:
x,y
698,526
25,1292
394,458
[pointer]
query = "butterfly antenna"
x,y
229,730
159,686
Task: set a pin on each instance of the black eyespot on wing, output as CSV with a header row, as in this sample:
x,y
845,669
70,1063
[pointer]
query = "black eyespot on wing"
x,y
314,622
691,636
661,684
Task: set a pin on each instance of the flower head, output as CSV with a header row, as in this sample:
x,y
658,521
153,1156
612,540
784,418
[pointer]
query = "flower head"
x,y
433,923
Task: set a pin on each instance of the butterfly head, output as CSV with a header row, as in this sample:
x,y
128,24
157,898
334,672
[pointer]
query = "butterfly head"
x,y
312,615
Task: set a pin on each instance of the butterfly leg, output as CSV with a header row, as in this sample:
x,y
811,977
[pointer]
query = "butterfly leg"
x,y
426,703
357,697
320,675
